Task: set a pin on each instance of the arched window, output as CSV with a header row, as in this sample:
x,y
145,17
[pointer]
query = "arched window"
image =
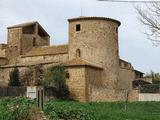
x,y
78,53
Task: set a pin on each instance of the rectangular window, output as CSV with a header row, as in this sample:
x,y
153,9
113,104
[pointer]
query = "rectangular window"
x,y
34,42
116,29
78,27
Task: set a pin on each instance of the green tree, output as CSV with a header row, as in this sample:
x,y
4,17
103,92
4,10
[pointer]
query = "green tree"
x,y
56,77
14,77
155,77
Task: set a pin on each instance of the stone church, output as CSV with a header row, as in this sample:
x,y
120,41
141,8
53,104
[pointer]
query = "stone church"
x,y
91,57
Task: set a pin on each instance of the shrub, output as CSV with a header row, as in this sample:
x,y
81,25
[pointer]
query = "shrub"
x,y
63,111
55,77
15,108
14,77
150,88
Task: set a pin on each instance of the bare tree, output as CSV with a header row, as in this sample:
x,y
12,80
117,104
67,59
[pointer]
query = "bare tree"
x,y
149,15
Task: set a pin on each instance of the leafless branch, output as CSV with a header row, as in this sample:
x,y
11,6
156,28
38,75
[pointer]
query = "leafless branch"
x,y
150,17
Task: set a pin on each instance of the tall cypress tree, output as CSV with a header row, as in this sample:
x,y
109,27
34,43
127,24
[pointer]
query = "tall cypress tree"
x,y
14,77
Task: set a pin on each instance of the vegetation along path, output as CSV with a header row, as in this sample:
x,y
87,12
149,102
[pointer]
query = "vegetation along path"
x,y
24,109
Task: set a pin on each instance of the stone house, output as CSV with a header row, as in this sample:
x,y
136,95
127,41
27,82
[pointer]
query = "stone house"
x,y
91,57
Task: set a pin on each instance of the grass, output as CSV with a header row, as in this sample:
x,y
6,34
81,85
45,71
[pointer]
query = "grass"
x,y
105,111
25,109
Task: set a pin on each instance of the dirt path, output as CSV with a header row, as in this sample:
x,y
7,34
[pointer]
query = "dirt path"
x,y
41,116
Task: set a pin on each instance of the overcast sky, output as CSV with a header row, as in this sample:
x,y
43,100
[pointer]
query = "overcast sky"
x,y
53,15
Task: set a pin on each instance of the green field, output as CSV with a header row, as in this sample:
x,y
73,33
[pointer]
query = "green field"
x,y
25,109
103,111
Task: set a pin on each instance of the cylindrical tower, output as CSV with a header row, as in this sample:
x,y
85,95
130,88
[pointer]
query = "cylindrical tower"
x,y
95,39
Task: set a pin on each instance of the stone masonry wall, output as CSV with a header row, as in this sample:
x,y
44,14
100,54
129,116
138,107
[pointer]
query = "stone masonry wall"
x,y
27,43
125,79
14,37
101,94
3,48
14,42
94,76
98,43
3,61
81,86
4,74
2,52
41,41
60,58
77,84
133,95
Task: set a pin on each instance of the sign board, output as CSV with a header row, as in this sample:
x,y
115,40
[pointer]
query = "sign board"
x,y
36,92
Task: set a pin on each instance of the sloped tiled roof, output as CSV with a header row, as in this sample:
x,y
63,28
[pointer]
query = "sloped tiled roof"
x,y
90,18
23,24
128,65
47,50
139,71
29,64
124,61
28,24
81,62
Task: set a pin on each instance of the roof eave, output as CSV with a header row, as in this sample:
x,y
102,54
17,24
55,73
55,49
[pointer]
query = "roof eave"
x,y
84,66
90,18
32,23
22,25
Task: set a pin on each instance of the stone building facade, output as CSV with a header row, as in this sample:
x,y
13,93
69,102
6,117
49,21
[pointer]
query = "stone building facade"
x,y
96,72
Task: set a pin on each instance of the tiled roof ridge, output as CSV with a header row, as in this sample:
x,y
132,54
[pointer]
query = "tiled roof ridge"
x,y
81,62
23,24
47,50
95,17
48,46
124,61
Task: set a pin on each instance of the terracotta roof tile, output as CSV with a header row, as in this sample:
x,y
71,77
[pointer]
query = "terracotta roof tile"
x,y
29,64
139,71
124,61
81,62
90,18
28,24
47,50
23,24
